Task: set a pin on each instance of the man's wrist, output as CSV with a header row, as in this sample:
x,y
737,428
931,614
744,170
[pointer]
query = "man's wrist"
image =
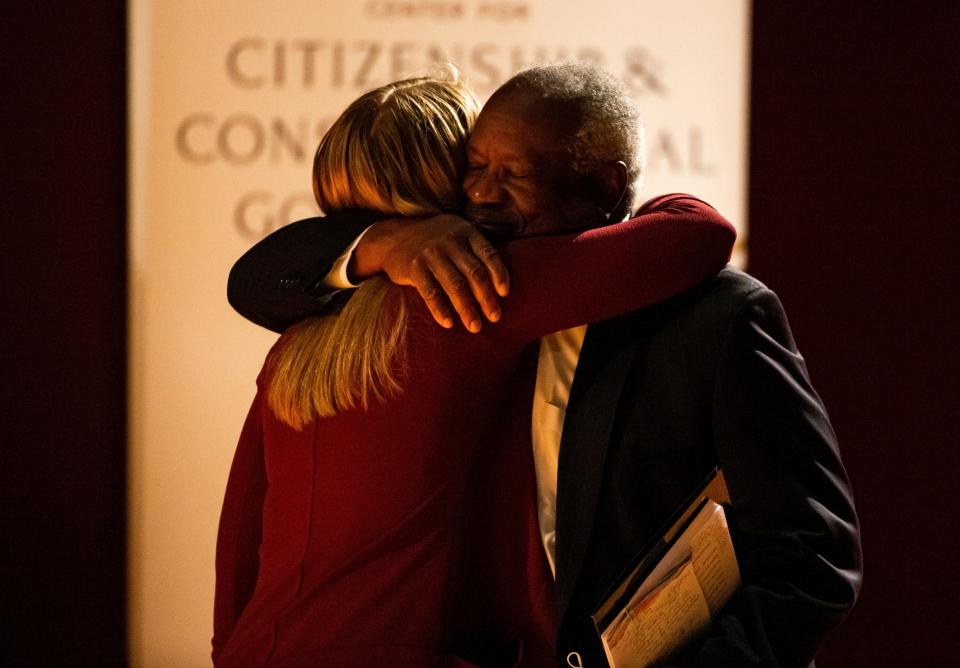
x,y
368,256
337,278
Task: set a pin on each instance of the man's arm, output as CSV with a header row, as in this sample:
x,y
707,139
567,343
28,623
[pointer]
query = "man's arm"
x,y
794,522
281,279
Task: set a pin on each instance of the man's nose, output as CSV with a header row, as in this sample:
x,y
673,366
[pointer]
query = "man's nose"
x,y
484,188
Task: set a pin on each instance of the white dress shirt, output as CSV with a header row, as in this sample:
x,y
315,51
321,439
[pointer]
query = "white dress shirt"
x,y
559,353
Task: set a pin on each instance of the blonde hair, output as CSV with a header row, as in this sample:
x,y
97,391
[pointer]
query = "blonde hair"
x,y
399,149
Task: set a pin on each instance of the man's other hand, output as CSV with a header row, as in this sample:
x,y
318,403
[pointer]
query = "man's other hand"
x,y
445,258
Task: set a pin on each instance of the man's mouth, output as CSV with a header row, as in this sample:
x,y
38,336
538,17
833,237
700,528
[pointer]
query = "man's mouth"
x,y
497,224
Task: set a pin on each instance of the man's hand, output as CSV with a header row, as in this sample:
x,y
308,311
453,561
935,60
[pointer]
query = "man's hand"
x,y
445,258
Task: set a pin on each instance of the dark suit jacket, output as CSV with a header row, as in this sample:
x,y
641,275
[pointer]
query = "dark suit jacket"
x,y
661,396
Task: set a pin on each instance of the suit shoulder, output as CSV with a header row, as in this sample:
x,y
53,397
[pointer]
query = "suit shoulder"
x,y
710,306
714,305
727,292
734,283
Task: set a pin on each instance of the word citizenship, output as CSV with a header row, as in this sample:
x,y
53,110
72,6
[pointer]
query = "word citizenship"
x,y
256,63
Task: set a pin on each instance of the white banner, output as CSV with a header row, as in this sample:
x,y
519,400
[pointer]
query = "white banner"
x,y
228,101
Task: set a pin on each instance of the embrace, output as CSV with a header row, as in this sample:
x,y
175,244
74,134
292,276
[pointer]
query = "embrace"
x,y
409,490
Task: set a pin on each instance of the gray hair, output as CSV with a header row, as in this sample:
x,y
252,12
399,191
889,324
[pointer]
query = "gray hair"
x,y
609,127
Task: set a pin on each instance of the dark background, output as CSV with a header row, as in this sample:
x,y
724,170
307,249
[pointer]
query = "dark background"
x,y
855,157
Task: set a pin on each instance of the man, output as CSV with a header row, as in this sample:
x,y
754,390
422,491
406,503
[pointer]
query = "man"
x,y
658,398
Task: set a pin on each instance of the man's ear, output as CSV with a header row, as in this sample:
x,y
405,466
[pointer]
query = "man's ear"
x,y
612,182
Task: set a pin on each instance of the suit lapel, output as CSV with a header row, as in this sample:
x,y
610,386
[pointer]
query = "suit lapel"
x,y
607,355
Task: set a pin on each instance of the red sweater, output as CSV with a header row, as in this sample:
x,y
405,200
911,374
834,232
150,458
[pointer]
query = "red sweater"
x,y
407,534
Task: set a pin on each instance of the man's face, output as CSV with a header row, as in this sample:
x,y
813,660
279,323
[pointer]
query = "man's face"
x,y
519,182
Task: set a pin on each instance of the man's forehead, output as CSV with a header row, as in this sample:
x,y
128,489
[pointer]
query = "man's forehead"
x,y
518,122
518,103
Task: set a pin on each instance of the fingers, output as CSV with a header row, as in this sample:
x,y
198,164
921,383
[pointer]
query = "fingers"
x,y
471,268
454,283
429,290
490,257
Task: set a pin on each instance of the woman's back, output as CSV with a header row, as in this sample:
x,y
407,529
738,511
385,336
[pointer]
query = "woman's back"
x,y
370,532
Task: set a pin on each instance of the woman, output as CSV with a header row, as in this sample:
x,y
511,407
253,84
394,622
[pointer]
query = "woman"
x,y
399,524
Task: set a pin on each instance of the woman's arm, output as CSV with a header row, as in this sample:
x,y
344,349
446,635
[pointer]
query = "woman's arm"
x,y
278,281
674,243
241,524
